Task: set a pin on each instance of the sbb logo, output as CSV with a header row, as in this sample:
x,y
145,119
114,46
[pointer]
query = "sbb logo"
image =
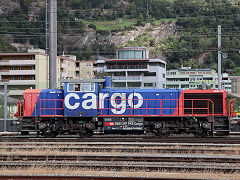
x,y
118,101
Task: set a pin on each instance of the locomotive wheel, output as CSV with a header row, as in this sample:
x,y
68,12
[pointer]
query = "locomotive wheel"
x,y
86,133
162,133
201,133
48,133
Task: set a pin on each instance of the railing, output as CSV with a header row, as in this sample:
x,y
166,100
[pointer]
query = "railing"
x,y
49,108
20,109
126,66
127,78
178,108
230,108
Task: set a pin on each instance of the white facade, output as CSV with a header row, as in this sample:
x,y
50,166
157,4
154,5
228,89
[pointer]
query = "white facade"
x,y
188,78
134,69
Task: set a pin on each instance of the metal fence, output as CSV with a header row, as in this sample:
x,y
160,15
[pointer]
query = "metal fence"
x,y
12,125
8,107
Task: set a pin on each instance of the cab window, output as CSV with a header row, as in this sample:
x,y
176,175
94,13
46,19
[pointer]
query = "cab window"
x,y
82,87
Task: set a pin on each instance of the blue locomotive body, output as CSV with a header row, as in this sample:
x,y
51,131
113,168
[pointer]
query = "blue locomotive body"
x,y
83,107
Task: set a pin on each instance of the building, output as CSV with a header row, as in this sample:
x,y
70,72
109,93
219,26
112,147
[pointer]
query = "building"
x,y
84,70
66,68
133,68
226,82
235,84
30,70
188,78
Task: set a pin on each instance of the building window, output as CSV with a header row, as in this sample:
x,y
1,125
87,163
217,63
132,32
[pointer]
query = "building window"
x,y
119,73
163,75
13,68
162,65
20,68
148,84
83,87
130,54
32,67
32,57
88,64
1,58
150,74
20,78
134,73
134,84
13,78
32,78
119,84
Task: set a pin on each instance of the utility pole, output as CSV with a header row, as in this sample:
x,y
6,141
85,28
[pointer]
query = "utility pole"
x,y
53,44
5,107
219,58
46,43
46,26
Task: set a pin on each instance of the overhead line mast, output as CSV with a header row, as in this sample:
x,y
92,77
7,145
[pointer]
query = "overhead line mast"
x,y
219,59
53,44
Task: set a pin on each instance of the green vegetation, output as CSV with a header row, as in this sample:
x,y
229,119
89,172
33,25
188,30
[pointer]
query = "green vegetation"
x,y
196,20
116,25
160,21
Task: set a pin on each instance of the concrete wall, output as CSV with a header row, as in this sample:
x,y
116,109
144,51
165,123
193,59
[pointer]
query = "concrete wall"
x,y
86,70
235,85
41,71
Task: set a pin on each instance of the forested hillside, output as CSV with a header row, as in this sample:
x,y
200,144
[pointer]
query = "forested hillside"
x,y
89,28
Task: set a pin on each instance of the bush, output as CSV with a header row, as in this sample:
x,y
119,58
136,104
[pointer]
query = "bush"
x,y
93,26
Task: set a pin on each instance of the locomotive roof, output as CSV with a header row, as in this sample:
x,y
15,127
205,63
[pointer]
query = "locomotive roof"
x,y
82,80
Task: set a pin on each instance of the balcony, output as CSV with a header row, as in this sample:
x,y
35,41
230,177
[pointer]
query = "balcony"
x,y
22,82
114,68
17,62
17,72
128,78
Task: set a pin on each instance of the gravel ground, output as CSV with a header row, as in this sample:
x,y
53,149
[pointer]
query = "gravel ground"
x,y
132,173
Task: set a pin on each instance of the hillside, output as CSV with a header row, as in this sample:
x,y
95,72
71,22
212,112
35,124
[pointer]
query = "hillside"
x,y
184,31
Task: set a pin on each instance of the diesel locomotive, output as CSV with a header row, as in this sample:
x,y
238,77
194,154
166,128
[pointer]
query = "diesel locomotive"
x,y
86,107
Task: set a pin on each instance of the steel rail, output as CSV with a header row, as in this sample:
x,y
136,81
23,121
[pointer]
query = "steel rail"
x,y
222,140
177,149
65,177
125,157
120,165
125,144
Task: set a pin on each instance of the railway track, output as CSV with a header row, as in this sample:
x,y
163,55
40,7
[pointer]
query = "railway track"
x,y
215,140
123,162
134,149
119,166
133,157
112,154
